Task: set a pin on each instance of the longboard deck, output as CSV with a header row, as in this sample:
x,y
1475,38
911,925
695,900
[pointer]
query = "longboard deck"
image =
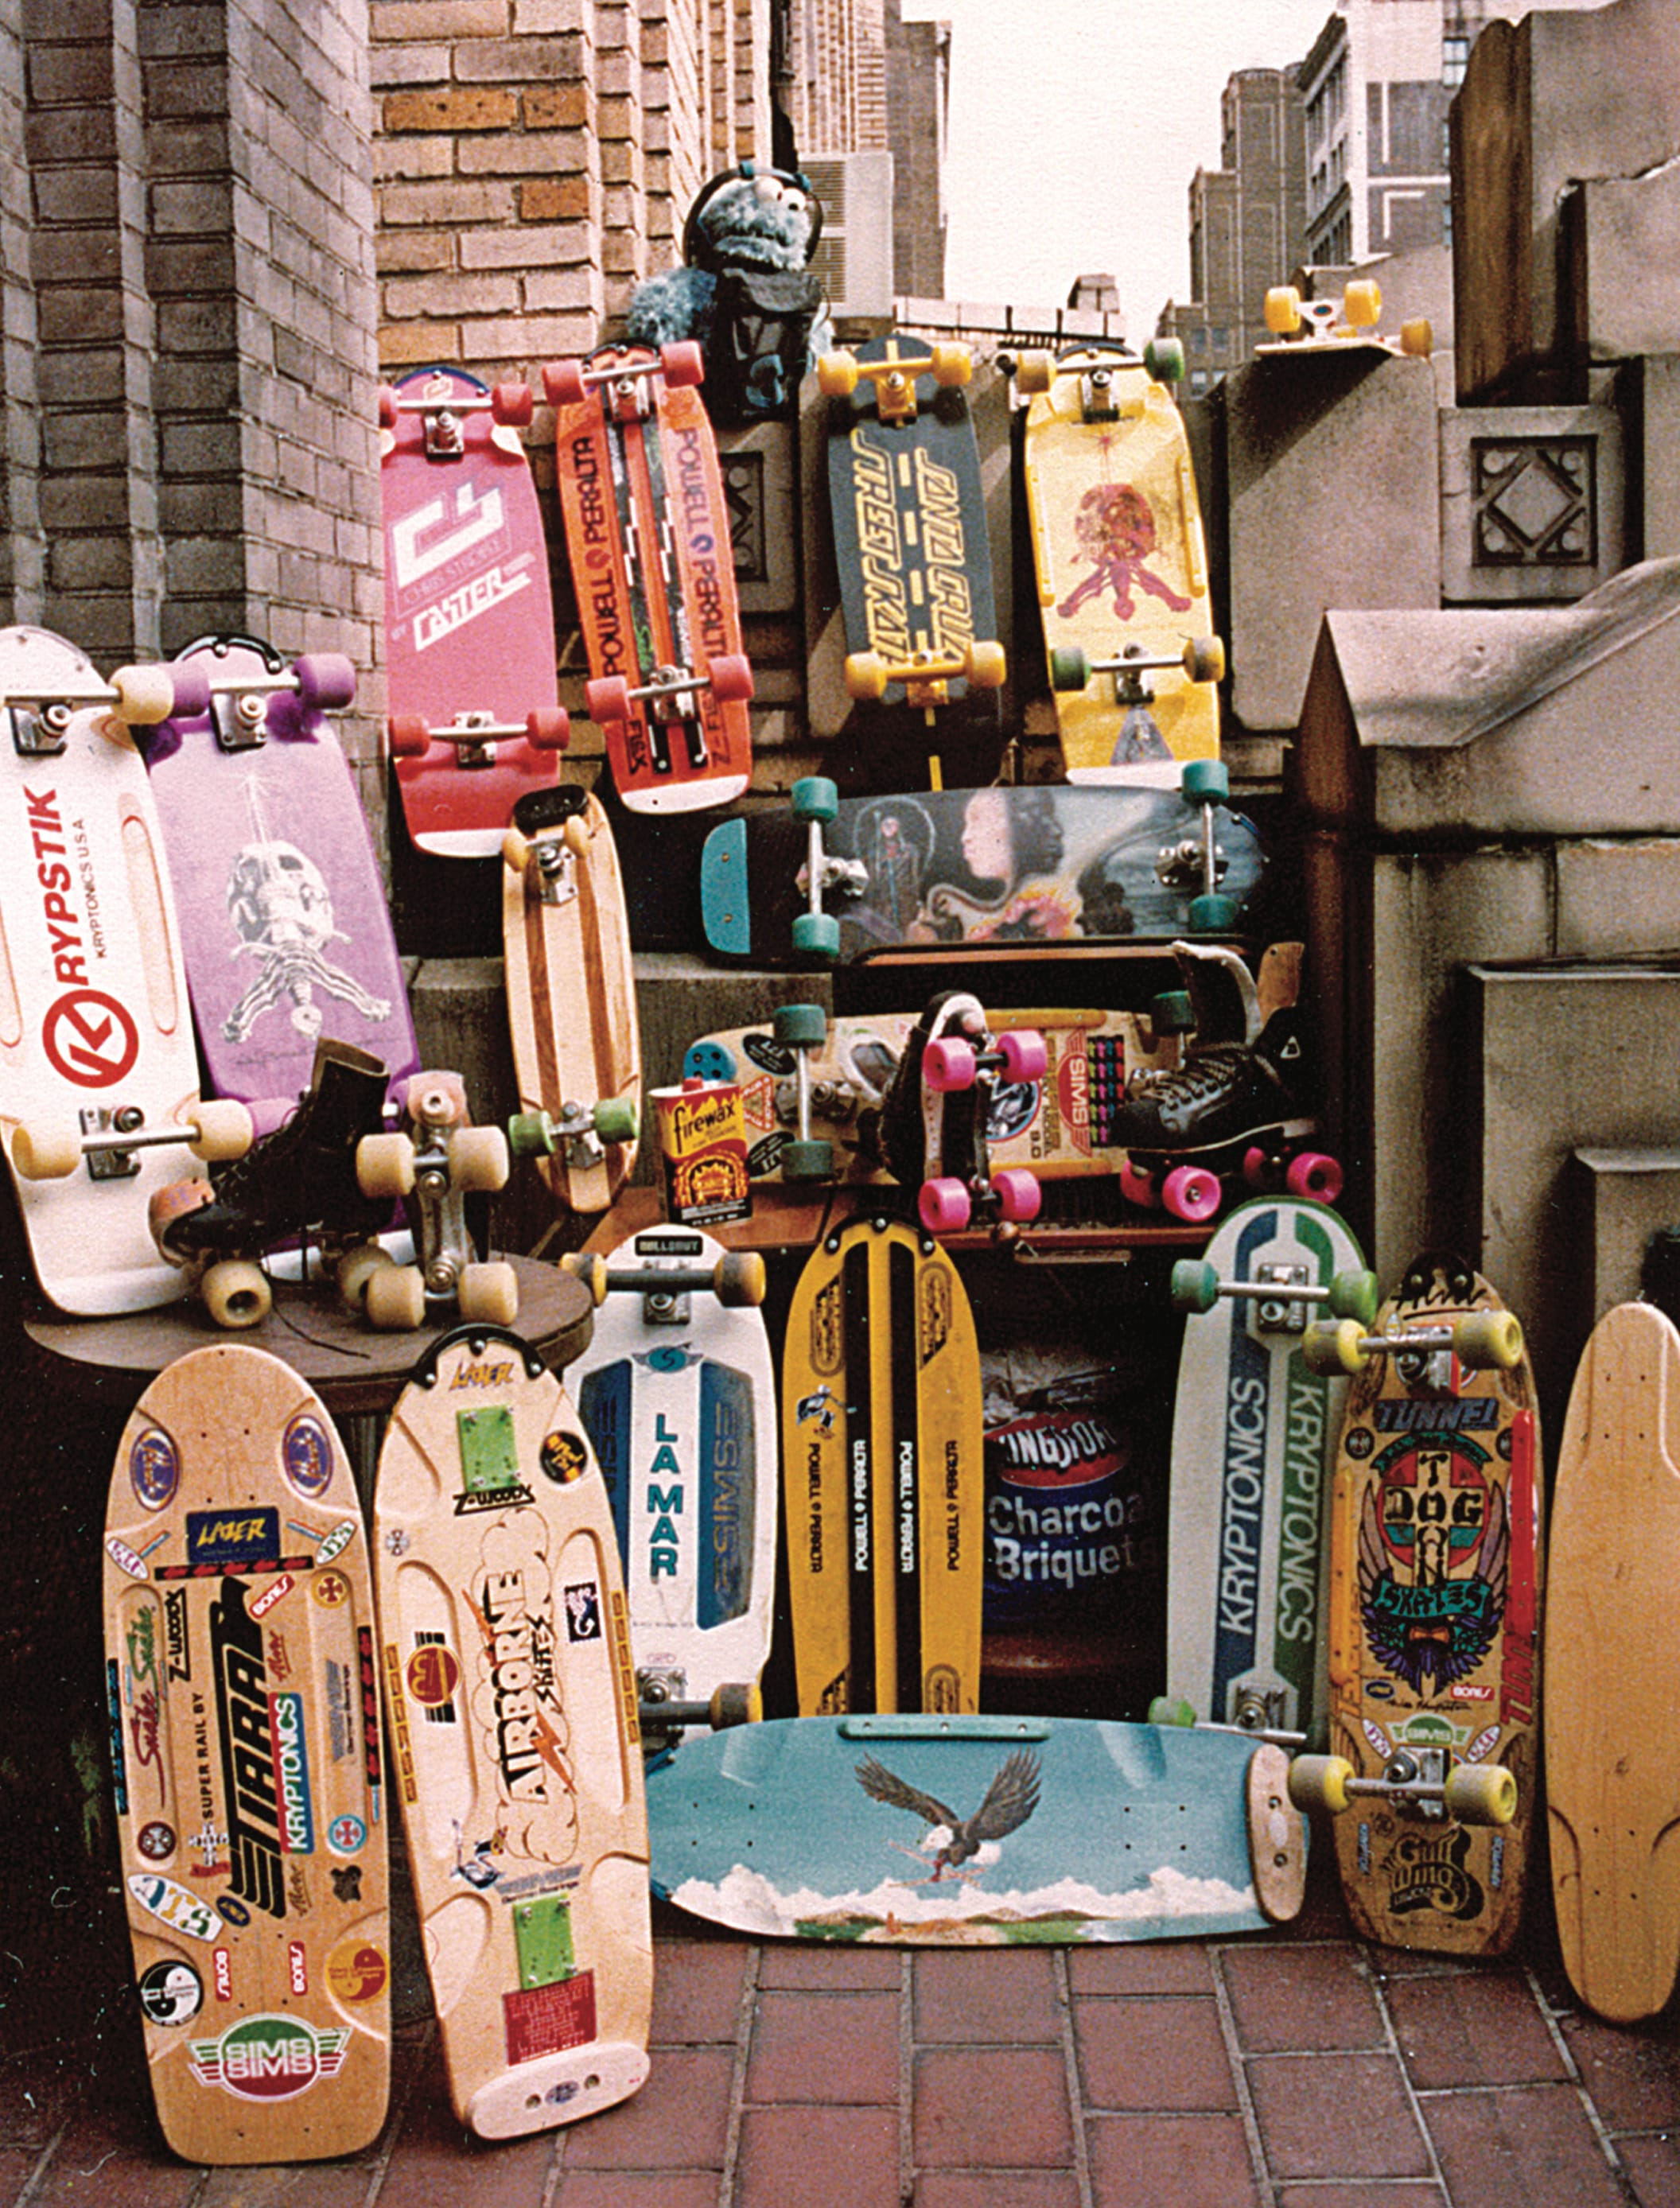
x,y
1612,1649
245,1739
881,1452
511,1705
983,1831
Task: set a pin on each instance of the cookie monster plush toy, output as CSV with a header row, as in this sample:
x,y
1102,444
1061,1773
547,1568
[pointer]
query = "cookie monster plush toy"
x,y
745,292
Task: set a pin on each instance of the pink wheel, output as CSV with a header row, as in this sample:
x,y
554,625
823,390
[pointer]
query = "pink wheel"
x,y
549,729
1256,1167
608,700
682,363
410,736
943,1206
190,682
387,407
511,403
1314,1175
731,676
948,1063
1019,1196
325,680
1139,1186
1190,1193
1023,1052
563,383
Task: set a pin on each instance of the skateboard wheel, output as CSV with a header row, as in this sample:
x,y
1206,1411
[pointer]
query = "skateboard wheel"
x,y
223,1128
385,1164
1362,304
549,729
739,1702
236,1294
355,1269
1338,1348
738,1278
1320,1782
46,1151
589,1267
945,1207
531,1135
731,678
952,364
1205,659
511,403
1480,1794
815,798
1019,1196
709,1061
396,1295
325,680
1172,1013
1314,1176
1190,1193
1137,1185
798,1026
574,834
1283,310
617,1120
146,695
948,1064
682,364
810,1160
1418,337
1023,1055
1194,1287
1205,781
488,1294
837,374
1212,915
478,1158
410,735
563,383
866,675
1488,1338
987,665
607,699
386,404
1354,1295
1164,359
1171,1710
1070,667
1034,372
515,850
816,935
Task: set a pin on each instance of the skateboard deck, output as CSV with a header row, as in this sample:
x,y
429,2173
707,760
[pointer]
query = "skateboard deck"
x,y
1304,326
677,1392
1612,1762
469,615
881,1455
572,990
245,1741
977,1830
284,923
1434,1620
1254,1438
511,1706
911,548
1008,867
647,531
1121,565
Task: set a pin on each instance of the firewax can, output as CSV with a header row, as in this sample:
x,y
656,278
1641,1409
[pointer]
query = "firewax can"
x,y
702,1141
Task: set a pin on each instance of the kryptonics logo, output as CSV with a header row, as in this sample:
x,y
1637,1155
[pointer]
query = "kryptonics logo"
x,y
251,1781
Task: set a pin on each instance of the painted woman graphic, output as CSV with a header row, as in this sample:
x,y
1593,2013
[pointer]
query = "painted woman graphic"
x,y
1009,887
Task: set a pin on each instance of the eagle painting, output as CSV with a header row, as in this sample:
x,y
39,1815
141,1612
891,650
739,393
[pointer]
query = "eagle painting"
x,y
1436,1630
1009,1800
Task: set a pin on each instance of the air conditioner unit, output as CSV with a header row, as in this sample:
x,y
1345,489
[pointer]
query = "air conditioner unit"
x,y
854,254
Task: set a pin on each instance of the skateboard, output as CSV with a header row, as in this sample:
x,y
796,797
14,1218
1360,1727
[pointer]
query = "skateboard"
x,y
911,549
512,1709
881,1456
1300,325
244,1718
433,1162
285,927
1611,1754
468,616
977,1830
571,994
100,1104
1433,1612
647,531
1009,867
1121,565
677,1393
1254,1438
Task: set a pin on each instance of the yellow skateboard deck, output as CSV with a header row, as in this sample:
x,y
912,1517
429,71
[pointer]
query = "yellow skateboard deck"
x,y
881,1452
244,1733
516,1752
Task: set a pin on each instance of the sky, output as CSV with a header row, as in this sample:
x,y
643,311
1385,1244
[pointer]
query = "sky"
x,y
1076,127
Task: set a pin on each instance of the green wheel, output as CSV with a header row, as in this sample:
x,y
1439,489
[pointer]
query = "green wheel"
x,y
1172,1013
800,1026
1164,357
815,798
531,1135
1171,1710
1481,1794
802,1161
1213,915
1205,781
1320,1782
1070,667
617,1120
1194,1287
1488,1338
817,935
1354,1295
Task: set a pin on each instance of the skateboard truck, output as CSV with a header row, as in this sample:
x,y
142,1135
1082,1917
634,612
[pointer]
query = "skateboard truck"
x,y
1417,1779
1479,1340
626,381
551,834
443,420
1256,1716
665,1286
1202,660
1307,322
105,1141
140,698
926,675
1197,860
815,800
664,1711
674,694
1282,1294
839,374
319,682
581,1132
801,1029
1163,358
475,735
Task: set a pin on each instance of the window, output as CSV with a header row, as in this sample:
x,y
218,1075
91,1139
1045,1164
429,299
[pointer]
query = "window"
x,y
1454,59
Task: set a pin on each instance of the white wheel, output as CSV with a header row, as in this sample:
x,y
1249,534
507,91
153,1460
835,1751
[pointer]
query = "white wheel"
x,y
222,1128
515,850
47,1150
396,1301
236,1293
145,695
385,1164
355,1269
478,1158
488,1294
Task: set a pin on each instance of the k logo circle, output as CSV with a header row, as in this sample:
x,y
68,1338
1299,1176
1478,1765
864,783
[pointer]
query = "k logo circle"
x,y
90,1039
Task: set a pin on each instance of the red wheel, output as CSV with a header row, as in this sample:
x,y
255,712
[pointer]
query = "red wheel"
x,y
387,407
325,680
549,729
511,403
682,363
563,383
1257,1167
1190,1193
1023,1055
608,700
410,735
1019,1196
1314,1175
1138,1185
948,1063
945,1207
731,678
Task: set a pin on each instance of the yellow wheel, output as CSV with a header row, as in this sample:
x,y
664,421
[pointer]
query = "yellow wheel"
x,y
739,1702
355,1269
236,1294
953,364
837,374
385,1164
1481,1339
489,1295
515,850
478,1158
1334,1349
396,1298
1362,304
1481,1794
1320,1783
145,695
1283,310
222,1128
738,1277
1036,372
987,665
1418,337
46,1150
866,675
589,1267
1205,659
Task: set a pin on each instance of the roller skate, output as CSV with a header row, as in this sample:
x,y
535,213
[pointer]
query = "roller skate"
x,y
932,1124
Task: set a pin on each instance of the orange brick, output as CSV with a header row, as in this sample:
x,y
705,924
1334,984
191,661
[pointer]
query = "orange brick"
x,y
475,108
557,199
556,107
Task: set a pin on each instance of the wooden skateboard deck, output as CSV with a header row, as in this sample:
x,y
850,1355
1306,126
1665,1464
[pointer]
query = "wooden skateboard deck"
x,y
245,1741
647,531
1434,1620
469,615
1612,1760
977,1830
283,917
1010,868
1254,1439
678,1394
571,989
1120,560
881,1455
512,1706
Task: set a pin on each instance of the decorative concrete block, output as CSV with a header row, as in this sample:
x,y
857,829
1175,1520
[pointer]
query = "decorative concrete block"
x,y
1533,501
759,482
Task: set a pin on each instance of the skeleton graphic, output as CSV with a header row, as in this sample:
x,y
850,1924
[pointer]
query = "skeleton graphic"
x,y
1116,532
282,910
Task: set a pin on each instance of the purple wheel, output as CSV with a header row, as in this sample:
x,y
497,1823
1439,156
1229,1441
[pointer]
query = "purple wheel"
x,y
1019,1196
607,699
1023,1055
325,680
948,1063
563,383
943,1206
189,680
1315,1175
1190,1193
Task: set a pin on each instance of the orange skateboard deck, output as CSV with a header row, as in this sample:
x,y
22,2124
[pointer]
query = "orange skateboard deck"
x,y
245,1740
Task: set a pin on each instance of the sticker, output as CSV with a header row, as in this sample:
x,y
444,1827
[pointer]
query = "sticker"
x,y
545,2019
337,1541
271,1595
564,1457
154,1468
434,1672
171,1993
330,1589
298,1968
234,1910
223,1960
155,1840
219,1537
124,1557
268,2058
357,1971
583,1612
346,1835
306,1450
181,1912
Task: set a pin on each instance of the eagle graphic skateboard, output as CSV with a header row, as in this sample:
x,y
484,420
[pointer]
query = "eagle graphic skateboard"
x,y
468,616
1121,565
571,996
511,1706
1254,1441
677,1393
99,1103
284,918
881,1456
1302,326
1434,1615
977,1830
647,531
244,1706
1612,1758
